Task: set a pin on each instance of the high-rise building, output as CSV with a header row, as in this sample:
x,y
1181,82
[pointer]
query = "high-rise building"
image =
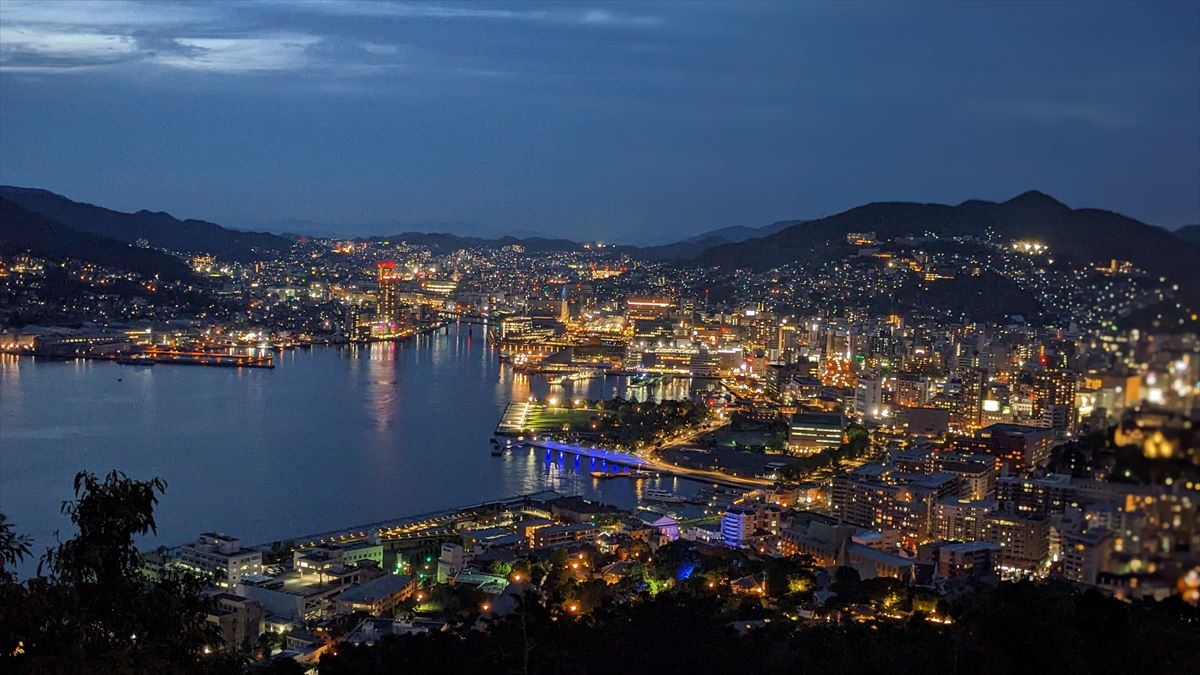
x,y
1054,399
357,322
387,304
868,397
1054,388
968,415
912,390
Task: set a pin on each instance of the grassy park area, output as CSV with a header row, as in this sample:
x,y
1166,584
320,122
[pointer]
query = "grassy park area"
x,y
617,421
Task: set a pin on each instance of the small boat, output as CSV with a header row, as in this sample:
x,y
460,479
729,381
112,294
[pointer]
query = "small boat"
x,y
135,360
665,496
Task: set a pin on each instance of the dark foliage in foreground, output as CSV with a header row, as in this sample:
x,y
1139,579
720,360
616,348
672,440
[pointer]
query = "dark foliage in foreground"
x,y
90,609
1015,628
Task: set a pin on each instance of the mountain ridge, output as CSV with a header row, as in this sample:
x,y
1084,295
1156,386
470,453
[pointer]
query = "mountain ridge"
x,y
23,230
1092,235
159,228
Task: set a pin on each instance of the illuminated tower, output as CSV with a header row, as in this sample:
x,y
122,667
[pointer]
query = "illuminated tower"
x,y
387,294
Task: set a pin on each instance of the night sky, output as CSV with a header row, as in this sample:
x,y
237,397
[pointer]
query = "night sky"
x,y
623,121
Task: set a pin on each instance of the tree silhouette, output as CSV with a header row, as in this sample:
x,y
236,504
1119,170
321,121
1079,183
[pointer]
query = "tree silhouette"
x,y
90,609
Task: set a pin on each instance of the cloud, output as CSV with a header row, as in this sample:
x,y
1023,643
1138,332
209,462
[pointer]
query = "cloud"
x,y
603,17
107,13
71,37
240,55
568,14
65,46
236,37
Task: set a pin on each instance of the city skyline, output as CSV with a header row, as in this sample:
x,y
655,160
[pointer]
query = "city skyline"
x,y
345,338
639,123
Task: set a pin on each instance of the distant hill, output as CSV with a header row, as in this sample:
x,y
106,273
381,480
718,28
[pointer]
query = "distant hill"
x,y
442,241
1189,233
693,246
740,233
23,230
680,250
160,229
1084,234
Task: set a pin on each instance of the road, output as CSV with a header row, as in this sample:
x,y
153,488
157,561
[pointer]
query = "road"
x,y
680,440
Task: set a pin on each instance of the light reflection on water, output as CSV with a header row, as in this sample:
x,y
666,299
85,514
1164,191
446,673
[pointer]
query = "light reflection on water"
x,y
331,437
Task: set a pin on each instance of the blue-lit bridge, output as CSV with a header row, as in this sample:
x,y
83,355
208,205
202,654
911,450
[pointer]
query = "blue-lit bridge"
x,y
610,456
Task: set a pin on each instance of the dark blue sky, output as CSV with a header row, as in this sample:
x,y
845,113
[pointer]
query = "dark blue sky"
x,y
626,121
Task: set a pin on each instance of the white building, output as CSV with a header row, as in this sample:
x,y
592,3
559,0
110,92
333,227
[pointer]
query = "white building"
x,y
222,556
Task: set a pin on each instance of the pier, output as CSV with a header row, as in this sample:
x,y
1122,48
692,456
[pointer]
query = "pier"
x,y
203,358
434,523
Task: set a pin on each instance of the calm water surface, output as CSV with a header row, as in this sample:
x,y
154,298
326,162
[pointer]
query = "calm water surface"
x,y
331,437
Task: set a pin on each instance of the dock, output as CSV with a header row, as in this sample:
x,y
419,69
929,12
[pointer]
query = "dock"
x,y
435,523
205,358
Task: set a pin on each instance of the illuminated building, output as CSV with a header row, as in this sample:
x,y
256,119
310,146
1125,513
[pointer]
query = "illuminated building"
x,y
880,498
1024,542
512,326
556,535
222,556
743,525
912,390
778,376
923,422
387,304
868,398
1086,555
357,326
966,559
958,519
377,597
969,411
322,558
1054,391
1015,447
648,308
439,286
809,433
976,476
239,620
1045,494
